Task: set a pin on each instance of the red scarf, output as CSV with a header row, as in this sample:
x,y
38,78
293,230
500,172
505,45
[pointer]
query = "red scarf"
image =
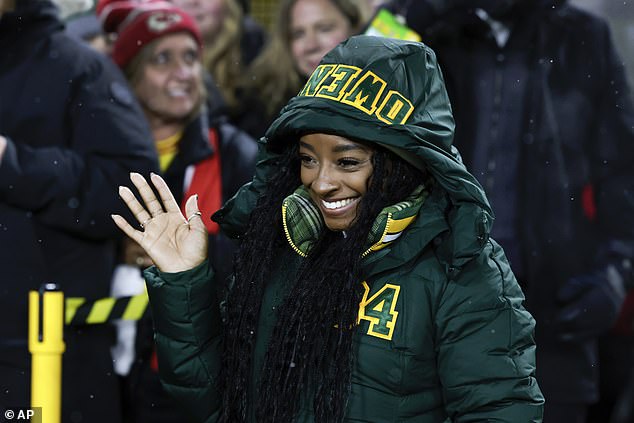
x,y
207,183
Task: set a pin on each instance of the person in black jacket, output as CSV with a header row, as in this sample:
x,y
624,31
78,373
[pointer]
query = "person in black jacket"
x,y
70,132
159,48
544,119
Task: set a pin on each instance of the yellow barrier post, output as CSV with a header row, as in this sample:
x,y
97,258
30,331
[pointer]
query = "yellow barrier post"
x,y
46,344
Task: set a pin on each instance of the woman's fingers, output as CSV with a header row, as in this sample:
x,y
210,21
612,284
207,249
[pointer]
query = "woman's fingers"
x,y
126,228
194,216
151,202
166,195
133,204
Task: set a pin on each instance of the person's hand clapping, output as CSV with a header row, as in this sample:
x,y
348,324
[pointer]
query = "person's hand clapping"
x,y
173,242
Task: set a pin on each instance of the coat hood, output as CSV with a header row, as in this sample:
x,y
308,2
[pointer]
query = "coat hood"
x,y
387,92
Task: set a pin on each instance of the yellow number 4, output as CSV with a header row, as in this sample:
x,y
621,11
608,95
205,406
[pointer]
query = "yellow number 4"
x,y
380,310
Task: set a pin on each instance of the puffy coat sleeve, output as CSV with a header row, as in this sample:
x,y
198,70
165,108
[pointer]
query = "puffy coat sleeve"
x,y
187,327
486,351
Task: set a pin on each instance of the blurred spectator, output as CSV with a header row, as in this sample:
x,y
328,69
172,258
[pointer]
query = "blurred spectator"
x,y
231,40
544,119
159,48
70,134
616,349
305,30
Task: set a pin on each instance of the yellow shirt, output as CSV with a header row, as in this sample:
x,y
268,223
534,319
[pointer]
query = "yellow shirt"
x,y
167,149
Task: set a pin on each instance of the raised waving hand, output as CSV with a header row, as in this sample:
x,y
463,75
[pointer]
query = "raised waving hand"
x,y
173,242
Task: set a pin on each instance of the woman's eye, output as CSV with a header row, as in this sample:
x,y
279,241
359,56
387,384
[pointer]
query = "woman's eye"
x,y
326,27
161,58
347,162
296,34
306,160
191,57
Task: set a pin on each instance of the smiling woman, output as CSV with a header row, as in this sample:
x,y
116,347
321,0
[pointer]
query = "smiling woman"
x,y
167,79
158,48
316,27
366,287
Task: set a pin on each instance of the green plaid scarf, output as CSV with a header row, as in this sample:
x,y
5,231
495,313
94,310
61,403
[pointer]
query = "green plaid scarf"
x,y
303,222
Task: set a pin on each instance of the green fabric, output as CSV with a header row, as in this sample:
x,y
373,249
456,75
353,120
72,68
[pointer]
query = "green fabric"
x,y
187,326
303,222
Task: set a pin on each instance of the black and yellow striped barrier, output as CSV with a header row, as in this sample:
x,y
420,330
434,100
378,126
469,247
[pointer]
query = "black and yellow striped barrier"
x,y
48,313
81,311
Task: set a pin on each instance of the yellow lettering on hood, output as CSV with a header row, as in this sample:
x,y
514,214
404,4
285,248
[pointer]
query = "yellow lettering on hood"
x,y
363,90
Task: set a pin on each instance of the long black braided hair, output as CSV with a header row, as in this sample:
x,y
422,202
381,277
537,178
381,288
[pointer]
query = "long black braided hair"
x,y
309,356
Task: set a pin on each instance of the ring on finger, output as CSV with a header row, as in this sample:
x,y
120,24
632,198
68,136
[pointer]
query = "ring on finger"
x,y
145,222
198,213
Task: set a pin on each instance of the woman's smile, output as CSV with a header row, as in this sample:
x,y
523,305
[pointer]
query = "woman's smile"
x,y
339,206
336,172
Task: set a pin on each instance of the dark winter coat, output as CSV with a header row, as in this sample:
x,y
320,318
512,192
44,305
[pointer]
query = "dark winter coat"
x,y
575,181
443,333
74,134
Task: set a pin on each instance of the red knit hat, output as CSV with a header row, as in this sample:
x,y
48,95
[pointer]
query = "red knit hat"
x,y
139,22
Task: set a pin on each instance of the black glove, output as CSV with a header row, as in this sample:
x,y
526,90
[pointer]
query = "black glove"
x,y
591,304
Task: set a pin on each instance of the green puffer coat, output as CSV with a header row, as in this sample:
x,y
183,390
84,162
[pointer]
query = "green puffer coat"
x,y
442,332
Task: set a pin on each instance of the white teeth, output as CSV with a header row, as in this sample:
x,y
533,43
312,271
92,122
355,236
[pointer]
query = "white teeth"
x,y
177,93
336,204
